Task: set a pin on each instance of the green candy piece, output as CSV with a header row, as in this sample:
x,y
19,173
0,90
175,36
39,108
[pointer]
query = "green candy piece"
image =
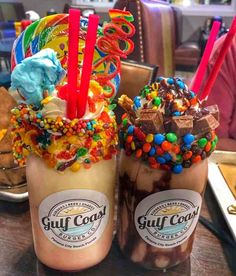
x,y
96,137
125,121
156,101
216,139
112,106
202,142
81,152
179,158
171,137
213,145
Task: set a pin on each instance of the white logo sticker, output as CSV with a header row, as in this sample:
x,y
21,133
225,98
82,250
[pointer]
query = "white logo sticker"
x,y
167,219
74,219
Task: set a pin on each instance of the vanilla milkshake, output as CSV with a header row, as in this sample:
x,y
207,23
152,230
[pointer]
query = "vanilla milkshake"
x,y
71,167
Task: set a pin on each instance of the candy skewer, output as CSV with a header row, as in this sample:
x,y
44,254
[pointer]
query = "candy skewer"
x,y
205,58
219,61
74,26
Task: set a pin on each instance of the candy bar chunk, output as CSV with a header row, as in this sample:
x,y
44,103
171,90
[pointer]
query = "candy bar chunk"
x,y
151,121
214,111
127,104
182,124
205,124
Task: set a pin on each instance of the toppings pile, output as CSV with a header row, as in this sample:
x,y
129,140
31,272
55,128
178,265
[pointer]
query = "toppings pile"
x,y
167,127
61,142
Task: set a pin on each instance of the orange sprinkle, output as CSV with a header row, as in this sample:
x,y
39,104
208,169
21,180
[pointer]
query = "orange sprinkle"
x,y
193,101
166,145
196,159
169,96
138,153
187,155
208,147
124,116
213,134
129,139
146,147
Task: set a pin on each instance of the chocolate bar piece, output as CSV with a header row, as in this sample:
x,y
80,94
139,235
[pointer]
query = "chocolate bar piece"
x,y
214,111
205,124
127,104
151,121
182,124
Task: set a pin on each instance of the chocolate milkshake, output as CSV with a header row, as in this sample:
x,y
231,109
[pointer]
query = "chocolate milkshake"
x,y
166,137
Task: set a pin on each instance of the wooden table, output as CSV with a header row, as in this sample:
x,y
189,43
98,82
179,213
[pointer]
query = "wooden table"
x,y
209,257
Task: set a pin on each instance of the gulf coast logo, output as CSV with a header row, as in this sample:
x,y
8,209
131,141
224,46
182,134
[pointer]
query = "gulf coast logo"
x,y
166,223
74,223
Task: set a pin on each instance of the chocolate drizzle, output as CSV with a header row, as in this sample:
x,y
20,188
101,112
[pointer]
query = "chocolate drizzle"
x,y
134,247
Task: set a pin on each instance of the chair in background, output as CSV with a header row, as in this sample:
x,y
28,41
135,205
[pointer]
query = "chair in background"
x,y
158,35
134,75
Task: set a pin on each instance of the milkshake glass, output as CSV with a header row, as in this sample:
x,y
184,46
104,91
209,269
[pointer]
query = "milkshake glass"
x,y
72,217
166,137
71,166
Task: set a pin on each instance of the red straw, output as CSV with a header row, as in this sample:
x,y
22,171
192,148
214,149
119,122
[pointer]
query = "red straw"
x,y
74,26
87,64
205,58
219,61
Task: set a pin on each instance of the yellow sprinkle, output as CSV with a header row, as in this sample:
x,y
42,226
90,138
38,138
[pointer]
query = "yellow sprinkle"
x,y
52,148
149,138
75,167
133,145
73,139
154,107
46,100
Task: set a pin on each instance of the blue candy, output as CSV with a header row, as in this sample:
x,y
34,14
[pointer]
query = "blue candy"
x,y
137,101
152,151
167,156
192,94
188,138
177,169
181,84
130,130
176,113
170,81
161,160
158,139
185,147
159,79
